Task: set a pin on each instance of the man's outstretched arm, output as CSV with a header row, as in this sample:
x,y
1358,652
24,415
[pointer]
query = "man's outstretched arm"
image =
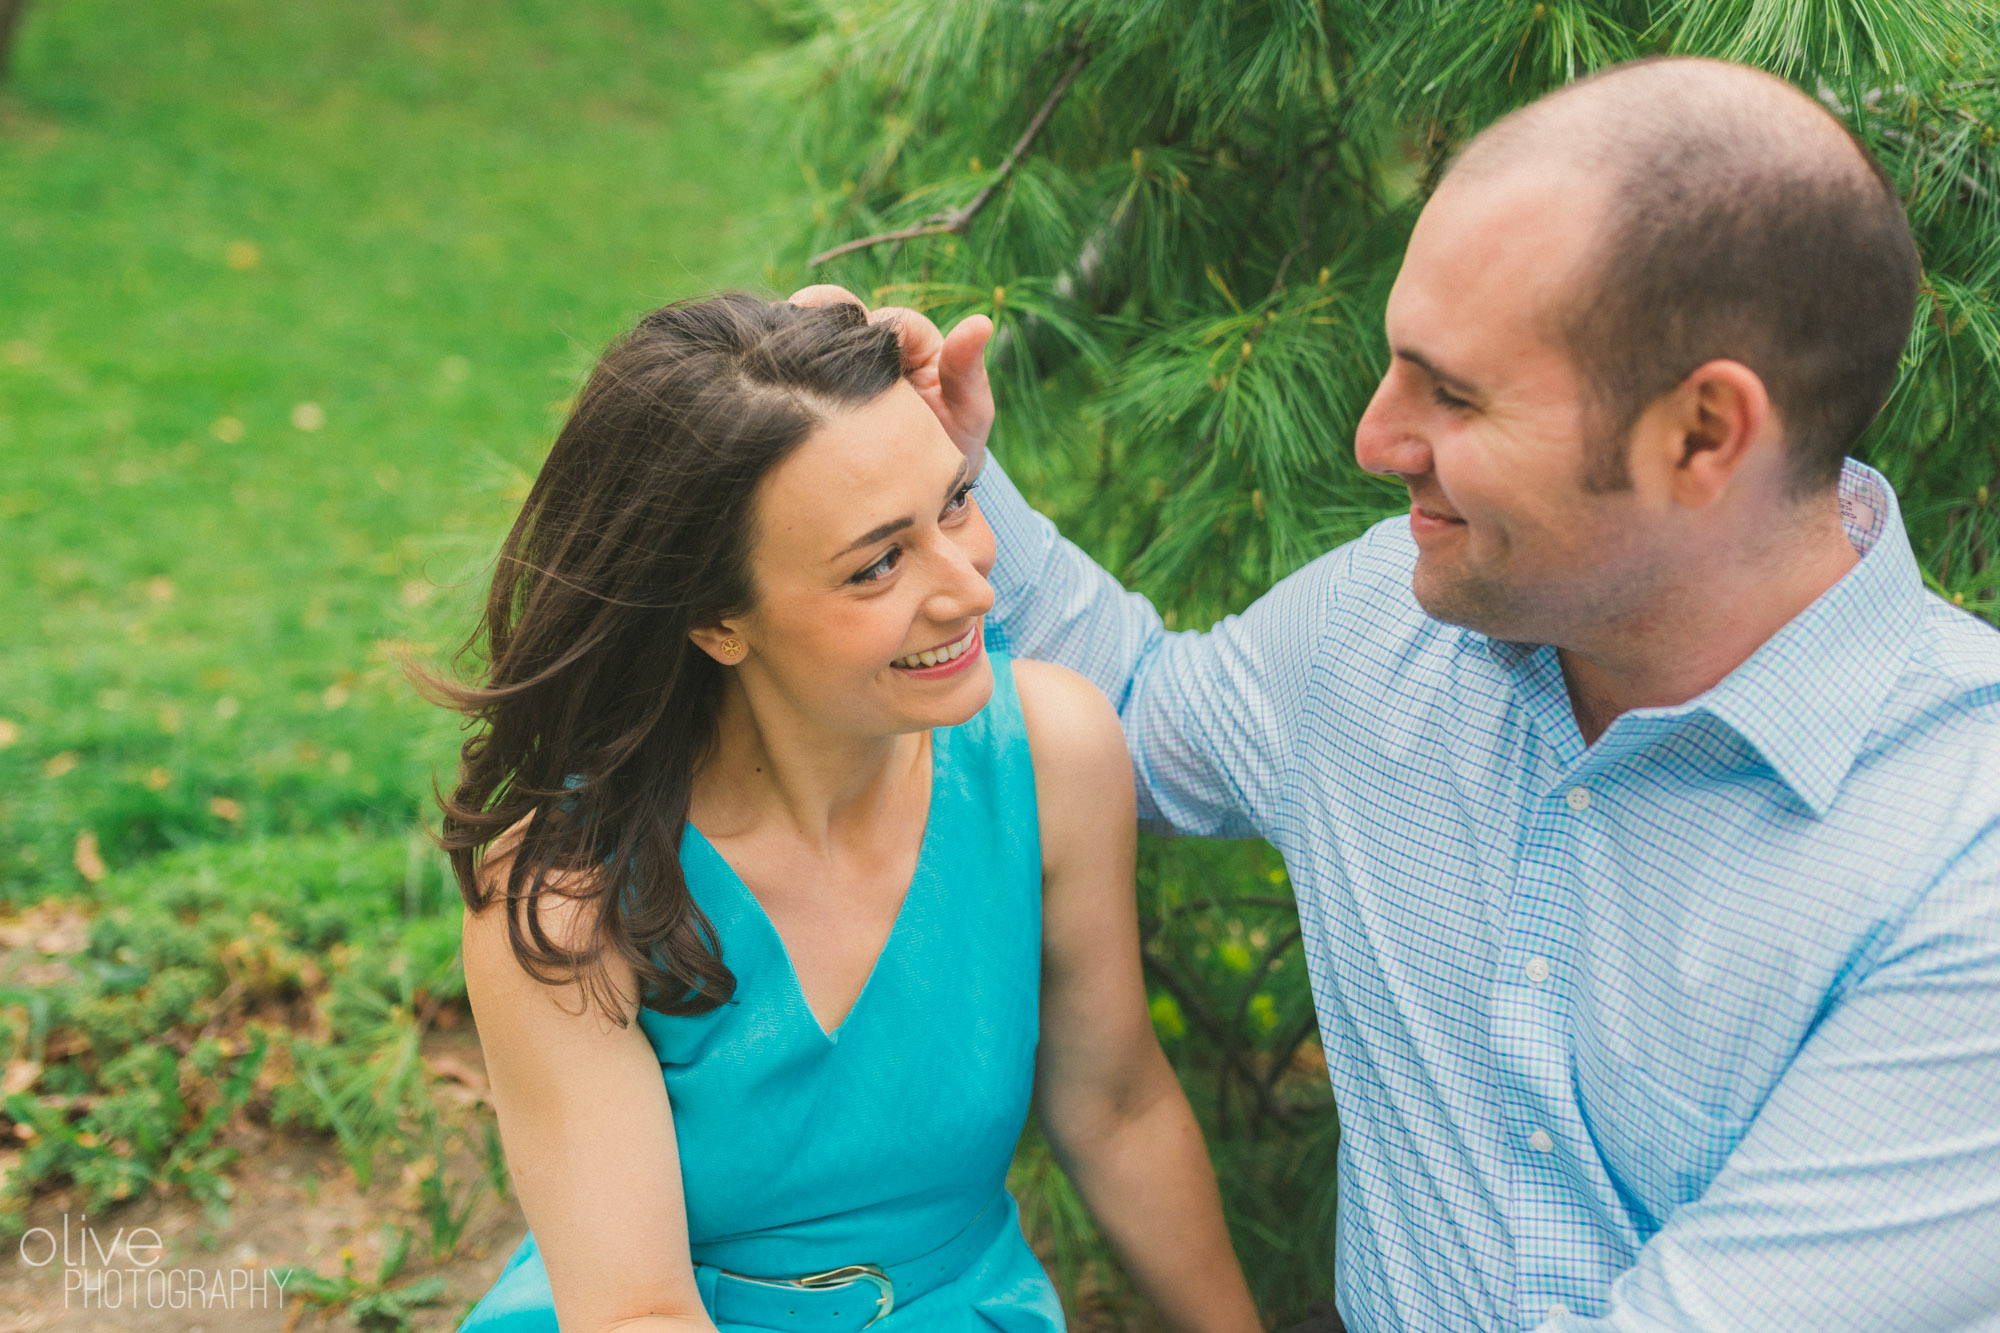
x,y
1211,717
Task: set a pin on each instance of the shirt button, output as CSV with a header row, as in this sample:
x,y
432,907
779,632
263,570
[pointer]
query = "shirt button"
x,y
1579,799
1537,970
1540,1141
1558,1310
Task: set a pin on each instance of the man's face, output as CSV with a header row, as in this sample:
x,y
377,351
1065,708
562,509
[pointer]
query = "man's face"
x,y
1484,418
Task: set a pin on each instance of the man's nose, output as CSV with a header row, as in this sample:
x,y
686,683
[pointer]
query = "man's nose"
x,y
1385,440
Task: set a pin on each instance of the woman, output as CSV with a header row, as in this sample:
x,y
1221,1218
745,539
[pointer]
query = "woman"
x,y
874,881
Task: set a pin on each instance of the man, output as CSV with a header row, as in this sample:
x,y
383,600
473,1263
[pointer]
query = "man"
x,y
1642,806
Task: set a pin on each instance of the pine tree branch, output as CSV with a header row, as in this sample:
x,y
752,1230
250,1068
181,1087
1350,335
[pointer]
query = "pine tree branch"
x,y
955,221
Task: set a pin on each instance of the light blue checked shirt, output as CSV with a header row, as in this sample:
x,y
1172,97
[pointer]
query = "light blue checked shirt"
x,y
1694,1028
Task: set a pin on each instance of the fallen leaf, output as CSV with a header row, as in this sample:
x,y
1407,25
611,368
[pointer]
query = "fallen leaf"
x,y
224,808
69,933
45,975
89,861
452,1067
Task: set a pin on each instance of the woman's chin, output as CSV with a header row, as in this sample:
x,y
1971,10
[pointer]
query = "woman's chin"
x,y
946,702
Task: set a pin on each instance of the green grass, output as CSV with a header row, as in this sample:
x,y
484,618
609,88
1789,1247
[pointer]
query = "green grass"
x,y
422,218
450,207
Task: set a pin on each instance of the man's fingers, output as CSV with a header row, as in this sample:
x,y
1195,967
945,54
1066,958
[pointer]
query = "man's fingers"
x,y
826,293
962,364
919,338
915,334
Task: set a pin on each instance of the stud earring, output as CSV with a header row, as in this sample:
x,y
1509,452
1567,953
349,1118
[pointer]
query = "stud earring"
x,y
732,645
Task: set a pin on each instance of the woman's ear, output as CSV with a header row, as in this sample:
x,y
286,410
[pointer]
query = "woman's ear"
x,y
721,641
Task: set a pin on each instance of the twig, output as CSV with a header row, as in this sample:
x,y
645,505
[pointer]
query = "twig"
x,y
1263,970
1203,904
1313,178
1287,1049
1214,1029
955,221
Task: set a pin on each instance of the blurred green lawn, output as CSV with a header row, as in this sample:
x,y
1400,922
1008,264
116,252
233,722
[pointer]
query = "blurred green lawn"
x,y
291,299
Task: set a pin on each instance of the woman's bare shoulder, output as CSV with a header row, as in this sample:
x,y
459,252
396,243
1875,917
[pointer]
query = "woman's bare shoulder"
x,y
1067,717
1083,775
566,908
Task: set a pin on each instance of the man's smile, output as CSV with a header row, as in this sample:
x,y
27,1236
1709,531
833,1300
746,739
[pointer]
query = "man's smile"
x,y
1431,520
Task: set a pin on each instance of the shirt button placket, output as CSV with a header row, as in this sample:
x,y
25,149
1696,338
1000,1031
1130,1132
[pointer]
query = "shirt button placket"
x,y
1535,943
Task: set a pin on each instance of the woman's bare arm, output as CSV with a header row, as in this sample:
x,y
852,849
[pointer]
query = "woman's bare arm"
x,y
585,1122
1107,1098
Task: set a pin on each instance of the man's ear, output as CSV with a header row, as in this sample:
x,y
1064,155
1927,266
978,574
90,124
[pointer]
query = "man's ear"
x,y
722,641
1708,429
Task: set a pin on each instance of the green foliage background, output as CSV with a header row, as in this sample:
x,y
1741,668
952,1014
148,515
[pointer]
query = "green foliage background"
x,y
448,207
1190,262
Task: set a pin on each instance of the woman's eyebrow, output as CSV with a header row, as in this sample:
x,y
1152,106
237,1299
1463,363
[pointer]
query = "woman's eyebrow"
x,y
896,525
875,534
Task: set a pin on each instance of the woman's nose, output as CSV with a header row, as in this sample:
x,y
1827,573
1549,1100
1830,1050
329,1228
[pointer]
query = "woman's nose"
x,y
963,590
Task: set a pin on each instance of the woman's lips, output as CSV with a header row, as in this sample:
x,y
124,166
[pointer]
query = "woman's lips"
x,y
965,658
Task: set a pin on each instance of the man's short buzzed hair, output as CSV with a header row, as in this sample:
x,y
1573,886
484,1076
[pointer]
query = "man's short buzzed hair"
x,y
1744,222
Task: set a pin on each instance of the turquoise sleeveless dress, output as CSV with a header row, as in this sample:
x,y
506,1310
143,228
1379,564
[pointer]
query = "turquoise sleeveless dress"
x,y
802,1150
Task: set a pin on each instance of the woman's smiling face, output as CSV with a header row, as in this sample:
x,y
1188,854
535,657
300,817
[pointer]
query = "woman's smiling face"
x,y
867,553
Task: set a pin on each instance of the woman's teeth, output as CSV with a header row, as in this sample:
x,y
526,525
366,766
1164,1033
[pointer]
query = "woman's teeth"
x,y
934,656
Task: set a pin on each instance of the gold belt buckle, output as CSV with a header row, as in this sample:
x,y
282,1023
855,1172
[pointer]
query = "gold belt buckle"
x,y
885,1299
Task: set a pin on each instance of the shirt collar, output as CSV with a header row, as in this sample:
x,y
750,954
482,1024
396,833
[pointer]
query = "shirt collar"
x,y
1808,697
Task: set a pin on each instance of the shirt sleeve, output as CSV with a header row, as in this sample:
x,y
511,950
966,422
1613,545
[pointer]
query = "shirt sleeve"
x,y
1211,717
1866,1195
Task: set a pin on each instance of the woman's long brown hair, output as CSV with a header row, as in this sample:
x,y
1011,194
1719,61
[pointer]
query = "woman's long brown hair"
x,y
595,709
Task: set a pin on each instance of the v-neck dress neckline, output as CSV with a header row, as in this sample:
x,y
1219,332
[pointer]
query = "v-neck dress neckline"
x,y
755,911
804,1151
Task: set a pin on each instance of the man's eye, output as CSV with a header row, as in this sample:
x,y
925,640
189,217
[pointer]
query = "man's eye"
x,y
880,567
1450,402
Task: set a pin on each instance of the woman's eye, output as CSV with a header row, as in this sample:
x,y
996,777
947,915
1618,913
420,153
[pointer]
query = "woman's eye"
x,y
959,498
880,567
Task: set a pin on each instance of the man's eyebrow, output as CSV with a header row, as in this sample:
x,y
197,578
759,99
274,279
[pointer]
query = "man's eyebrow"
x,y
896,525
1425,364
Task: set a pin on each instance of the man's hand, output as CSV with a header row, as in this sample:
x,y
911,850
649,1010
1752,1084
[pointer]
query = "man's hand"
x,y
949,370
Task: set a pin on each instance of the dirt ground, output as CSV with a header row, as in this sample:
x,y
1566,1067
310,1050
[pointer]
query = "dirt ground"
x,y
296,1202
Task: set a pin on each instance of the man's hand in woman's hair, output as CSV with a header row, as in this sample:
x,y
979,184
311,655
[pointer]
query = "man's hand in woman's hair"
x,y
947,370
